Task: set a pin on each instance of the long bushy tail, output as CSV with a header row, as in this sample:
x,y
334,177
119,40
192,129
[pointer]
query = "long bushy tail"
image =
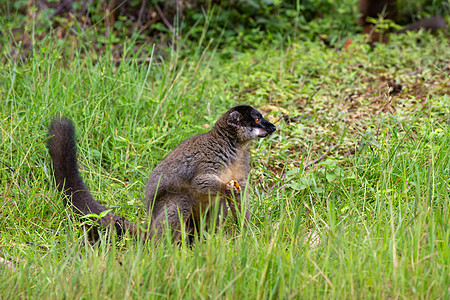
x,y
62,148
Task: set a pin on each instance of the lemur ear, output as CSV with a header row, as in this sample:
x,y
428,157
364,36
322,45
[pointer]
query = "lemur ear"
x,y
234,118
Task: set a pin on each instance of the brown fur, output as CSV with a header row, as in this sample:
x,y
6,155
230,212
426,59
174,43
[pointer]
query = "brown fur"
x,y
189,183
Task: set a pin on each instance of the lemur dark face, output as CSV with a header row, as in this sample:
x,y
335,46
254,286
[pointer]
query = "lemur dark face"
x,y
249,123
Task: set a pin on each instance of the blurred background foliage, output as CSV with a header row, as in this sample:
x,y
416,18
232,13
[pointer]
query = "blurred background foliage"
x,y
236,24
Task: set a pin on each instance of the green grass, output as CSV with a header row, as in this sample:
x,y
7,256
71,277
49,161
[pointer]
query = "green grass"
x,y
369,221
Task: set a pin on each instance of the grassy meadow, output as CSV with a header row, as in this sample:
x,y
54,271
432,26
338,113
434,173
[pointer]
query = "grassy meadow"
x,y
367,218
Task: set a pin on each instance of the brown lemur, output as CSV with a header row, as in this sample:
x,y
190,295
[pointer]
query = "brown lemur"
x,y
200,174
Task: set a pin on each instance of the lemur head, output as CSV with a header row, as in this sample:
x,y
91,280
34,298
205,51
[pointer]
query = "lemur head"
x,y
248,123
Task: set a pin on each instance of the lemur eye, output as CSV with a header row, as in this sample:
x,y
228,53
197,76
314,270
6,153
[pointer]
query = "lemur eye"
x,y
257,120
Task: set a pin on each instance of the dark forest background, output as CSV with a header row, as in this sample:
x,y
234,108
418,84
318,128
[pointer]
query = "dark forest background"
x,y
236,24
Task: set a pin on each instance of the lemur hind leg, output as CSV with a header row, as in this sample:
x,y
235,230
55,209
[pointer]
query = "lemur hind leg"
x,y
176,212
